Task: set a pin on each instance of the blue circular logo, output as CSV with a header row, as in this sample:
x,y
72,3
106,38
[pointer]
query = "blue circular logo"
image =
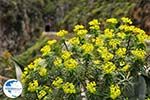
x,y
12,88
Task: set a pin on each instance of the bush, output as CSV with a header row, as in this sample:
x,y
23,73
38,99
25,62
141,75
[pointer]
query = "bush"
x,y
94,64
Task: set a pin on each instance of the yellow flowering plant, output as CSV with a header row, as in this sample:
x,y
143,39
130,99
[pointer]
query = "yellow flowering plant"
x,y
93,64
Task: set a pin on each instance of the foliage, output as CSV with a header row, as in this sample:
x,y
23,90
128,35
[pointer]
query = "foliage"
x,y
32,52
94,64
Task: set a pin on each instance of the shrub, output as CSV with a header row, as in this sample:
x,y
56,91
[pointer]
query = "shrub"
x,y
94,64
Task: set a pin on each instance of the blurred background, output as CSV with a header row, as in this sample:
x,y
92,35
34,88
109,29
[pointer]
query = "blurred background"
x,y
22,23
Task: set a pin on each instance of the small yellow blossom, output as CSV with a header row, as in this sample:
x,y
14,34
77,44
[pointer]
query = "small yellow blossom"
x,y
122,35
42,71
70,63
74,41
46,50
26,69
94,24
108,33
96,27
41,94
57,61
81,32
102,49
51,42
87,47
78,27
121,52
114,42
138,30
139,53
31,66
122,63
125,68
112,20
114,91
96,62
33,86
91,87
62,33
37,60
24,77
99,41
127,28
58,82
142,37
108,67
69,88
66,54
106,55
126,20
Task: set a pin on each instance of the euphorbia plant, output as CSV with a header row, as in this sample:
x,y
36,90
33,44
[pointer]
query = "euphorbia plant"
x,y
94,64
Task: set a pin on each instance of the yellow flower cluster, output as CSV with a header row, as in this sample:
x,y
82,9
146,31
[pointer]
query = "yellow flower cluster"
x,y
126,20
140,33
78,27
24,76
91,87
42,71
105,54
108,33
41,94
62,33
66,54
94,24
37,61
33,86
112,20
46,50
139,53
99,41
57,61
80,30
58,82
74,41
51,42
69,88
114,42
87,48
127,28
114,91
108,67
33,65
70,63
121,35
142,37
121,52
138,30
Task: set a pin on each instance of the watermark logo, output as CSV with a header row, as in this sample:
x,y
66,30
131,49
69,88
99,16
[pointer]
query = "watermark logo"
x,y
12,88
